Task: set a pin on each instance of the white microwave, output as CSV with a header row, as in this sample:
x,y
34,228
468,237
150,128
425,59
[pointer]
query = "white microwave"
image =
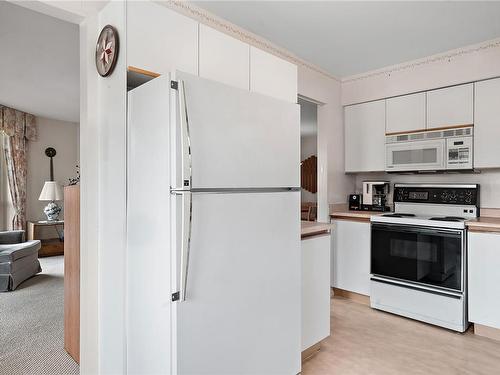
x,y
450,149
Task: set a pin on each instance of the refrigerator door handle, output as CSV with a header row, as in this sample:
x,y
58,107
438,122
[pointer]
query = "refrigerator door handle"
x,y
187,219
185,138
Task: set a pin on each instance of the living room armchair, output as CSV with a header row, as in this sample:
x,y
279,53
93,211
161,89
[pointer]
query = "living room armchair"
x,y
18,259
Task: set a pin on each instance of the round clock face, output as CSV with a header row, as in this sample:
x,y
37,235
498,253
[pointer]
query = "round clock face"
x,y
106,52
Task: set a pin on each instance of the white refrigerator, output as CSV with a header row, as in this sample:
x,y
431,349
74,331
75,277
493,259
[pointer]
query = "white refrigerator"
x,y
213,227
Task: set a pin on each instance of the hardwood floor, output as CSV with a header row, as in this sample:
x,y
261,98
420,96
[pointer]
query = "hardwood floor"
x,y
367,341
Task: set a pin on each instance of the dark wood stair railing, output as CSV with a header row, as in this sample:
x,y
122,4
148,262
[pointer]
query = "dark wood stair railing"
x,y
309,174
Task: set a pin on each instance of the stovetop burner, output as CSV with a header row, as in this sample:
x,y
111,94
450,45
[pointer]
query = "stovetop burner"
x,y
399,215
448,218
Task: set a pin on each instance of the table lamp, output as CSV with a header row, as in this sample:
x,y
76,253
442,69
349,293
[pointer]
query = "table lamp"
x,y
51,192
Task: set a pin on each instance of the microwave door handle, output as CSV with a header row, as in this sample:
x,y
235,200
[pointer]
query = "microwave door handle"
x,y
186,161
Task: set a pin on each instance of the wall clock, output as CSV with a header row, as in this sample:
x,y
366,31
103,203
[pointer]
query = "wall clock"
x,y
106,52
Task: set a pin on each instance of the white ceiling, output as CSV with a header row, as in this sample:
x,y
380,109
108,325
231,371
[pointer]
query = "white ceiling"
x,y
347,38
39,63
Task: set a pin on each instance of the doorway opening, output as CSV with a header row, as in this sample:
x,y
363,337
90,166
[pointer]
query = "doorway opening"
x,y
39,196
309,160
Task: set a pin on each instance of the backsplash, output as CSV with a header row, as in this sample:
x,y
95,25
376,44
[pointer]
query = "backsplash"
x,y
488,179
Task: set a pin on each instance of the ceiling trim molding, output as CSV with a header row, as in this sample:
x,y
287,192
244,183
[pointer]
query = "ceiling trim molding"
x,y
210,19
475,48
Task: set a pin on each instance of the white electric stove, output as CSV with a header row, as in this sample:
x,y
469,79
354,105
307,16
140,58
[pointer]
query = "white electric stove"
x,y
419,253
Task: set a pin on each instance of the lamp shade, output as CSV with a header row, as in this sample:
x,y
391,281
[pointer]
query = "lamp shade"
x,y
51,192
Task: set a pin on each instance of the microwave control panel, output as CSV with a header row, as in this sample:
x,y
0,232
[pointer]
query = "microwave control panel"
x,y
437,195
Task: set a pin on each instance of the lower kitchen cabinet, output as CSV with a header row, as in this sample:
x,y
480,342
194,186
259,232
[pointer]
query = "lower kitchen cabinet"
x,y
315,289
484,278
351,256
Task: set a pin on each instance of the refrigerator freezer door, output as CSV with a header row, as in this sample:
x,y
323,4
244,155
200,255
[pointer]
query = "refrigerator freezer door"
x,y
242,309
237,139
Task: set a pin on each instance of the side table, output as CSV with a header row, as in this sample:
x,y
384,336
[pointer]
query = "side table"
x,y
52,246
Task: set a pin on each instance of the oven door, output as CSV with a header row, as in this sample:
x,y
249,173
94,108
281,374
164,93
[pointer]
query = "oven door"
x,y
433,257
415,156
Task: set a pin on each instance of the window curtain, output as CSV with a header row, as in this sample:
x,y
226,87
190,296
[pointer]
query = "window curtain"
x,y
6,209
17,128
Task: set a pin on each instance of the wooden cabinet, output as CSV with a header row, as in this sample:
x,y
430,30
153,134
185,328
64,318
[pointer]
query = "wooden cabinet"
x,y
50,234
487,124
451,106
315,289
72,271
484,278
160,40
365,137
405,113
272,76
224,58
351,256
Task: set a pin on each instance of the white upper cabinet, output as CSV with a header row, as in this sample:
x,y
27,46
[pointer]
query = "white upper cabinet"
x,y
487,124
405,113
451,106
272,76
365,137
224,58
160,40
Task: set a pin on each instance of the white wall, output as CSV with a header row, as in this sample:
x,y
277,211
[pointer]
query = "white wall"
x,y
89,200
64,137
308,147
467,64
488,179
103,200
333,184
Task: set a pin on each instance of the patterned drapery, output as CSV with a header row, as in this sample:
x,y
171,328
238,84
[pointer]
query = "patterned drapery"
x,y
18,127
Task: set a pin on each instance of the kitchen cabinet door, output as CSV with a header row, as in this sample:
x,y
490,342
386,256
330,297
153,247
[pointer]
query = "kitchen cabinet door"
x,y
487,124
224,58
160,40
405,113
365,137
272,76
484,278
351,256
451,106
315,289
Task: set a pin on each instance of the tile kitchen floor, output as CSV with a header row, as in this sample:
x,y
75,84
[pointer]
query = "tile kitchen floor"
x,y
367,341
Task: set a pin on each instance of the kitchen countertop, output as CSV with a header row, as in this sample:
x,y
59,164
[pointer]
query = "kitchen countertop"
x,y
484,224
340,211
488,223
312,228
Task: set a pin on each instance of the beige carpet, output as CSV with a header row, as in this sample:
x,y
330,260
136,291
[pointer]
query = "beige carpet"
x,y
31,325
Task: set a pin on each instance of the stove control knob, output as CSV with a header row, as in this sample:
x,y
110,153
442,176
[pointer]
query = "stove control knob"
x,y
400,195
468,197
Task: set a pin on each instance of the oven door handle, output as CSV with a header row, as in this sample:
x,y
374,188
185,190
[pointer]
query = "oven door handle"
x,y
455,295
416,230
